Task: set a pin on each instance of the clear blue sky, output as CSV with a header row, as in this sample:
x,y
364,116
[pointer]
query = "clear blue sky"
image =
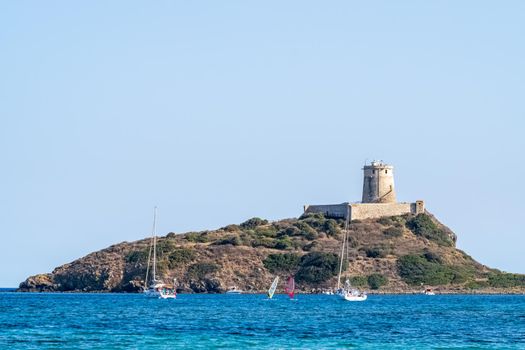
x,y
223,110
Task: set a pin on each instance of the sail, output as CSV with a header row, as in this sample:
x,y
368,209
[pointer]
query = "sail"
x,y
290,287
273,287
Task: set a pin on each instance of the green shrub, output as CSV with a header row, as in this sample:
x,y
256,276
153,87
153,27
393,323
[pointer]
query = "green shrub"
x,y
376,280
352,242
267,231
385,221
289,231
281,263
399,219
309,235
506,280
180,256
201,270
314,216
137,256
197,237
297,244
422,225
358,281
303,226
283,243
331,228
375,252
306,230
315,220
317,267
263,242
231,228
164,247
461,275
308,247
393,231
432,256
162,266
232,239
253,223
416,269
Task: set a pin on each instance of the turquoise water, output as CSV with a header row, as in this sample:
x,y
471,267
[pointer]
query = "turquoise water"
x,y
128,321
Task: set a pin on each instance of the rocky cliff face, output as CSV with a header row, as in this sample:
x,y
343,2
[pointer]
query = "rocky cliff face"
x,y
391,254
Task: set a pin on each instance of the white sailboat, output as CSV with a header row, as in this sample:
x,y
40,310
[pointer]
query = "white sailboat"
x,y
273,287
347,292
156,289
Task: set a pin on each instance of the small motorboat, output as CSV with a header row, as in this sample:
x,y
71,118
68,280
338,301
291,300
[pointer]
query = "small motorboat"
x,y
234,290
429,291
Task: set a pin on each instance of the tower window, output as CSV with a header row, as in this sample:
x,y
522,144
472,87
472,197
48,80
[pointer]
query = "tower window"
x,y
386,171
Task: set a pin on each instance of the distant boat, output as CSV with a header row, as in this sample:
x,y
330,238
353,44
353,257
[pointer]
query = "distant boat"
x,y
234,290
429,291
273,287
347,292
290,287
157,288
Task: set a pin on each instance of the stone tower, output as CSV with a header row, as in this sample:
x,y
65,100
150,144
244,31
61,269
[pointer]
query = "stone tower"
x,y
378,183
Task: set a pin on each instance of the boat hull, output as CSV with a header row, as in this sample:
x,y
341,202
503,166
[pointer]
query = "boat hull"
x,y
354,297
159,294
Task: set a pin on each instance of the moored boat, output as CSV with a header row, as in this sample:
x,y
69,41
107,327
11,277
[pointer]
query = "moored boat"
x,y
157,288
234,290
429,291
347,292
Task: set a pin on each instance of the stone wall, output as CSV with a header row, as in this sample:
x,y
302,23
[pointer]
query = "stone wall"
x,y
329,210
376,210
361,211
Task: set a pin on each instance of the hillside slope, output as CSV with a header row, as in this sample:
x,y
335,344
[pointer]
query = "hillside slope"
x,y
391,254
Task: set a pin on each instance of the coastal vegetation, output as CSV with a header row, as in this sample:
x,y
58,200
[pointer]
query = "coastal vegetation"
x,y
317,267
397,253
373,281
422,225
426,269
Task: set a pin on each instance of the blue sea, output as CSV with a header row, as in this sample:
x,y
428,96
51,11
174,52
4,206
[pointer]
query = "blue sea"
x,y
131,321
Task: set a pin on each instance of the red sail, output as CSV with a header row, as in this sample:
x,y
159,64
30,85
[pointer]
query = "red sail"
x,y
290,287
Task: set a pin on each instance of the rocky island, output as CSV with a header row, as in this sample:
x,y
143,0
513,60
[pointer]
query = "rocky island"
x,y
393,248
395,254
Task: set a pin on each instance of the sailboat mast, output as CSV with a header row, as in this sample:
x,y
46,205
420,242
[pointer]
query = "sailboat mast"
x,y
149,260
341,260
345,234
155,244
